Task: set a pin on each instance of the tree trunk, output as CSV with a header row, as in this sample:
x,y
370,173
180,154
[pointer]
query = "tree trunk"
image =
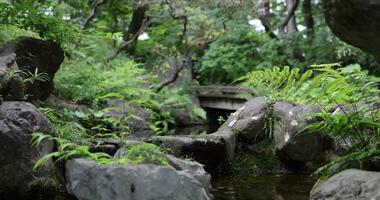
x,y
138,17
308,15
292,24
264,16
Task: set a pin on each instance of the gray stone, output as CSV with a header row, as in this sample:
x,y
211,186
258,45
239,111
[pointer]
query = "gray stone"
x,y
193,168
89,181
183,117
350,184
248,122
18,120
34,53
292,144
211,150
356,22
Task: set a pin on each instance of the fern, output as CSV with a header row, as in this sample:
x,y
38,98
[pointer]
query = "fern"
x,y
66,150
321,83
329,85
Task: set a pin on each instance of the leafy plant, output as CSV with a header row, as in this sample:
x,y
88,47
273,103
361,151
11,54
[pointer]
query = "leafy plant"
x,y
355,124
229,57
66,150
30,78
143,154
321,84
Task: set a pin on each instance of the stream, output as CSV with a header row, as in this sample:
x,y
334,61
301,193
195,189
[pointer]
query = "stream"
x,y
273,187
249,187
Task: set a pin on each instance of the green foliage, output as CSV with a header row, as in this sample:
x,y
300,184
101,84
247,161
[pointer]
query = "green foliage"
x,y
30,15
136,154
321,84
66,150
230,56
356,126
143,154
357,130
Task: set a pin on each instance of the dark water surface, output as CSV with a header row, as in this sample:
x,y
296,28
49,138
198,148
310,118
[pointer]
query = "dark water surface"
x,y
274,187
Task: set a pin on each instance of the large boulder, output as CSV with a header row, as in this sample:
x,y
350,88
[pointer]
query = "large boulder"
x,y
18,120
248,122
89,181
356,22
188,166
34,53
292,144
350,184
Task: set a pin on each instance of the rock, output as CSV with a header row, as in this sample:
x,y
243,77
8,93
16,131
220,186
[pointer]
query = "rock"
x,y
18,120
67,104
248,122
11,85
350,184
211,150
138,119
183,117
34,53
89,181
292,144
356,22
193,168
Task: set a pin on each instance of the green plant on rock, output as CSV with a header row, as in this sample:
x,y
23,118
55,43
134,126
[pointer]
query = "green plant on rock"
x,y
356,131
143,154
66,150
352,92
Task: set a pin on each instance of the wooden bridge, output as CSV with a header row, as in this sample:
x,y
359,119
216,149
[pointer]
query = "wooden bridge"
x,y
222,97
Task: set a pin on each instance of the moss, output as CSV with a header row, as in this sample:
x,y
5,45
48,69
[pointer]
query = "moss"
x,y
143,154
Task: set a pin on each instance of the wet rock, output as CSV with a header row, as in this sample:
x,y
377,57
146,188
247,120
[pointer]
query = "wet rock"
x,y
356,22
292,144
350,184
34,53
193,168
137,118
211,150
248,122
18,120
89,181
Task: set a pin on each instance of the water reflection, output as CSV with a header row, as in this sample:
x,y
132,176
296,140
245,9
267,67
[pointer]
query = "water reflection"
x,y
282,187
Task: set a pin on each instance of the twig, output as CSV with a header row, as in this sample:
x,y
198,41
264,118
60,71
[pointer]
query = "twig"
x,y
130,41
94,8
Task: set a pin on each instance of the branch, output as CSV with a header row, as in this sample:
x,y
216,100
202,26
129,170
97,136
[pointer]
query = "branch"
x,y
131,40
179,65
91,16
264,16
289,15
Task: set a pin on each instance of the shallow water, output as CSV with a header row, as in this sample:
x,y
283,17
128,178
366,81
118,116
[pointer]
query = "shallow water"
x,y
274,187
